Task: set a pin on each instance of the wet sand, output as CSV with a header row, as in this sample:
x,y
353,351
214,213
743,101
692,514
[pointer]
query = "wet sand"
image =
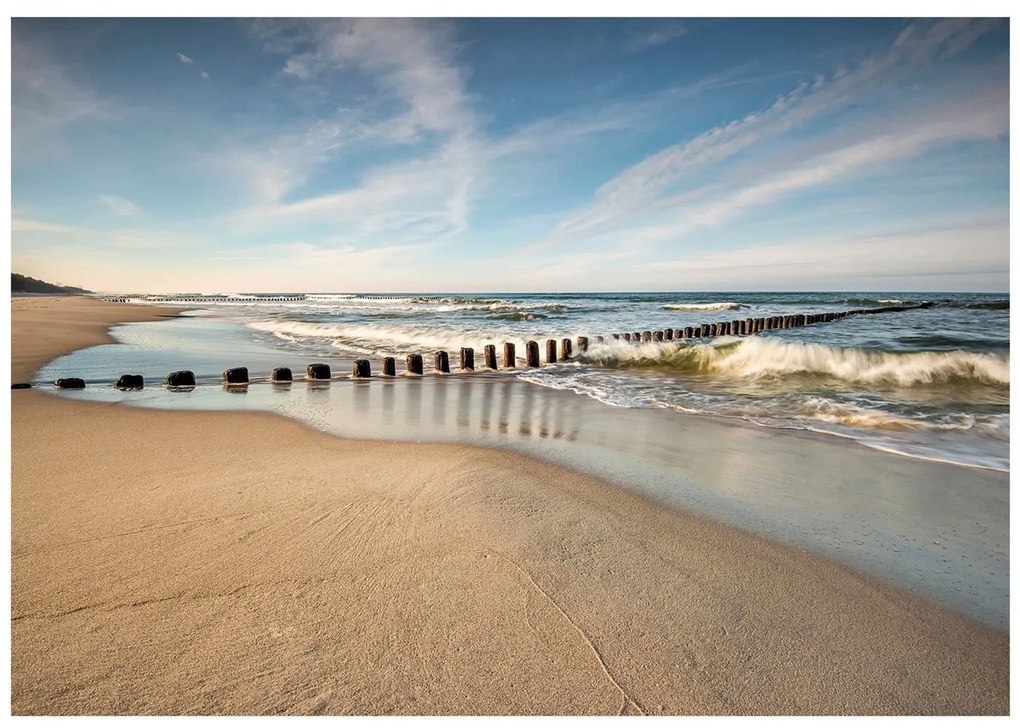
x,y
239,563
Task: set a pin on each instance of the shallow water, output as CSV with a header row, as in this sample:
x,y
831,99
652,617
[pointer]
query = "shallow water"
x,y
930,383
937,529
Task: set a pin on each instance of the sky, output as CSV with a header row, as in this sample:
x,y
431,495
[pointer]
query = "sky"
x,y
554,155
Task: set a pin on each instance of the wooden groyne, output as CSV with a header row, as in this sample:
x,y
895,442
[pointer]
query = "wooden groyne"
x,y
198,298
555,351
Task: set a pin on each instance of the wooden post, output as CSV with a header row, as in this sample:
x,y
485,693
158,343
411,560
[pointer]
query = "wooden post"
x,y
531,349
550,351
467,358
442,362
667,334
362,369
598,340
658,336
704,330
414,364
636,337
490,356
646,336
509,356
316,371
282,374
183,378
73,383
626,337
389,367
616,336
130,381
688,332
236,375
582,343
566,348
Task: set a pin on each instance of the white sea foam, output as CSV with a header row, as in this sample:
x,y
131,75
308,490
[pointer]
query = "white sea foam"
x,y
721,306
763,357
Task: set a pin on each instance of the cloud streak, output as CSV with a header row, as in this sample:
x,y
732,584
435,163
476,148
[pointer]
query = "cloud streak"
x,y
120,205
185,59
639,188
659,35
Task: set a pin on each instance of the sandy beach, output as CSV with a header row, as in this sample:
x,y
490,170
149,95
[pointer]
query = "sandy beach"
x,y
238,563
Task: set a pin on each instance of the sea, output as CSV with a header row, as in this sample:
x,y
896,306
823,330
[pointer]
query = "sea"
x,y
922,384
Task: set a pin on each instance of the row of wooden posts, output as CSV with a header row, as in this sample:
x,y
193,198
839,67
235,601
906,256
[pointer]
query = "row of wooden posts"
x,y
206,299
554,351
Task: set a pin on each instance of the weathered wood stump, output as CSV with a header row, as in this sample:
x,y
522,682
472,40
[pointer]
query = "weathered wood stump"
x,y
582,343
490,357
282,374
414,364
550,351
130,381
566,349
236,375
442,362
70,383
389,366
182,378
467,359
509,356
362,369
318,371
531,351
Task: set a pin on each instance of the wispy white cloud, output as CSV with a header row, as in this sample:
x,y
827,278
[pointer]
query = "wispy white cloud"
x,y
120,205
660,34
205,74
967,118
40,226
414,65
185,59
641,187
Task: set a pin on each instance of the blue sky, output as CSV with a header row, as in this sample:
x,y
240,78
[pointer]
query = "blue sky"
x,y
511,155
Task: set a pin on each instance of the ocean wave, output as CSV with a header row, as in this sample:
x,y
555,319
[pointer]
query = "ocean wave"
x,y
721,306
521,316
385,340
1002,305
842,413
876,301
762,358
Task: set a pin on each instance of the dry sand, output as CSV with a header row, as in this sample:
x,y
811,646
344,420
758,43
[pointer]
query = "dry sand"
x,y
210,563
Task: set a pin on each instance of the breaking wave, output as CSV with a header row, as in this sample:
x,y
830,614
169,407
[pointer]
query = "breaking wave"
x,y
721,306
762,358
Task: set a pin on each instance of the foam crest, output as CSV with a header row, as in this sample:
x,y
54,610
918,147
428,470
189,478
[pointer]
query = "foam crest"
x,y
720,306
762,357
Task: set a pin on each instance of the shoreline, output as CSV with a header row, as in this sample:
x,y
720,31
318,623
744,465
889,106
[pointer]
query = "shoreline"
x,y
648,601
